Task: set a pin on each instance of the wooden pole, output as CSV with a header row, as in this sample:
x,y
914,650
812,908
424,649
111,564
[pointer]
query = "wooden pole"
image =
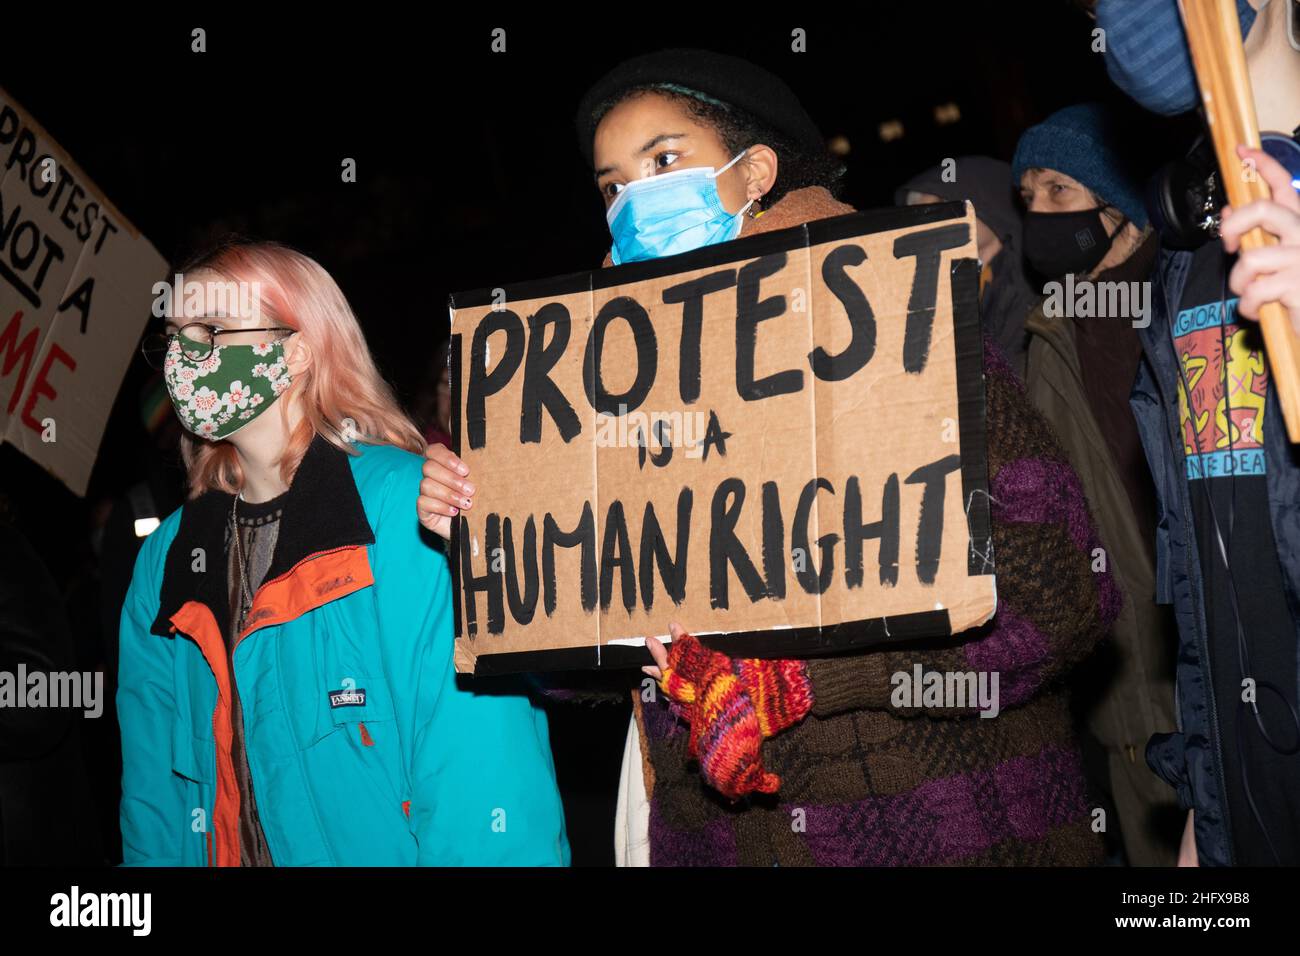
x,y
1214,35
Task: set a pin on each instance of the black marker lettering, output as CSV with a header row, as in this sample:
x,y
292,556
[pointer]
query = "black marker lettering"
x,y
654,552
927,247
583,535
855,533
483,383
862,346
929,531
750,311
691,295
725,549
647,357
539,390
616,537
811,580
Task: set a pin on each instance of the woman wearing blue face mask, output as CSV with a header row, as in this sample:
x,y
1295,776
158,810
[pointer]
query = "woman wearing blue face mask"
x,y
689,149
679,169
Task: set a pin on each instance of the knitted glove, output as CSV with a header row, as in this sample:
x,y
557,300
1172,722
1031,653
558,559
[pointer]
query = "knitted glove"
x,y
780,690
731,707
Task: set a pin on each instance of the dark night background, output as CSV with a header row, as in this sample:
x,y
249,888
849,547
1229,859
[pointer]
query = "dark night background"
x,y
468,176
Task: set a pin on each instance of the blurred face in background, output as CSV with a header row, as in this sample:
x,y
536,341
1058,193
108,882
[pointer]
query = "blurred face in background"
x,y
985,238
442,401
1049,190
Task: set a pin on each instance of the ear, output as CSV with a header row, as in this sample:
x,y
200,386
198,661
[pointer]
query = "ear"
x,y
297,354
760,165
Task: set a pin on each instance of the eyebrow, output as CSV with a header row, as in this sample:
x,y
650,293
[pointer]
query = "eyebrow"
x,y
651,144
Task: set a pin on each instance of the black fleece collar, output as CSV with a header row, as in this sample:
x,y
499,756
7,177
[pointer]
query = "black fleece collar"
x,y
322,511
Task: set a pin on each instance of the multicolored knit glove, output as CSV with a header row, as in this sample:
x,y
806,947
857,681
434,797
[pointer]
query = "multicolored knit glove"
x,y
732,705
781,691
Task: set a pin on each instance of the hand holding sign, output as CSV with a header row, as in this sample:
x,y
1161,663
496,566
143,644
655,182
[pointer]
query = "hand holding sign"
x,y
444,492
731,707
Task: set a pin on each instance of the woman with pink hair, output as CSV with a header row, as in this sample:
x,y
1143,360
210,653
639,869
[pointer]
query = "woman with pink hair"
x,y
287,694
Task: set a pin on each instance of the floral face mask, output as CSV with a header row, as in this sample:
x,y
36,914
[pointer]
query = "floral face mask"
x,y
218,395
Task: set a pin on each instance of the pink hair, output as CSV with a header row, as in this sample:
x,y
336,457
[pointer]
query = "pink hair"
x,y
342,383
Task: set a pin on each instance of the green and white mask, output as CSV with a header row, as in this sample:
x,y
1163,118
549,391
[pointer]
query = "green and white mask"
x,y
219,394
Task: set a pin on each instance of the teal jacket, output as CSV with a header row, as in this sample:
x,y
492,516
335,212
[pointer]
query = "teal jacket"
x,y
364,747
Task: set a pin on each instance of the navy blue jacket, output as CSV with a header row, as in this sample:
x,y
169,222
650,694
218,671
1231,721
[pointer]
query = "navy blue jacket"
x,y
1190,760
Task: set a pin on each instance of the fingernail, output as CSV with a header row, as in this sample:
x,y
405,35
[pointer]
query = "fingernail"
x,y
468,488
460,466
453,509
465,502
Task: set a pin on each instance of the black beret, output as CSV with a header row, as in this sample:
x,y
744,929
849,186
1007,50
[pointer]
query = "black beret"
x,y
733,81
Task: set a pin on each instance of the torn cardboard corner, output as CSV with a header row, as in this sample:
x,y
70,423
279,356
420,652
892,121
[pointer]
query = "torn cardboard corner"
x,y
76,284
777,440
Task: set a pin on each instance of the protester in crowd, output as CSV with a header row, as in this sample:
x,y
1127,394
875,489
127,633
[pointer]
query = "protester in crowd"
x,y
1006,296
1087,238
1227,478
286,643
877,784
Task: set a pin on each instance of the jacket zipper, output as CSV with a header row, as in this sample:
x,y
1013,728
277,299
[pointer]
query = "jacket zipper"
x,y
239,640
296,566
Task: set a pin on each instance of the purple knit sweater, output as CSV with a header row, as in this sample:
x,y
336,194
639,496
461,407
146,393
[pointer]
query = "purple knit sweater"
x,y
868,783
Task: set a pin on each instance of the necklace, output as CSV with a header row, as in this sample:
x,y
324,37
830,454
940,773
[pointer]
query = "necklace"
x,y
246,597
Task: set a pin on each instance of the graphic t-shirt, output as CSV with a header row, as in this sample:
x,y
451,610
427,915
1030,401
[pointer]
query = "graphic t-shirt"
x,y
1222,420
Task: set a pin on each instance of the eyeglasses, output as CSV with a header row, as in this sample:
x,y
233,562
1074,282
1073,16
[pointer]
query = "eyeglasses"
x,y
198,339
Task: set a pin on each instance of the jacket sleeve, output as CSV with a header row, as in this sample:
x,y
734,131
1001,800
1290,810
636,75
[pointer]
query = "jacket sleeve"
x,y
153,814
1053,606
483,788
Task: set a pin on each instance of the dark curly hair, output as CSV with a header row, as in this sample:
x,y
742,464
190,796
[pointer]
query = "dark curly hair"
x,y
797,166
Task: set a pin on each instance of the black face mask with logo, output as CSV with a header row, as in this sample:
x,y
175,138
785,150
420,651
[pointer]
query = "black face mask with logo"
x,y
1058,244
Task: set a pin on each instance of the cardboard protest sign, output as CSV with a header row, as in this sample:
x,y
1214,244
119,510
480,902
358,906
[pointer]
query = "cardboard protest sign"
x,y
75,290
776,441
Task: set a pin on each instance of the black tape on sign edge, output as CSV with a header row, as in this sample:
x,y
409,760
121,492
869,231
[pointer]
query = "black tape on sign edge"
x,y
453,543
796,642
972,427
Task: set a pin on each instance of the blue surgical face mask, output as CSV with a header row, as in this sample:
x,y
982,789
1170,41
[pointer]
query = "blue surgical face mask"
x,y
671,213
